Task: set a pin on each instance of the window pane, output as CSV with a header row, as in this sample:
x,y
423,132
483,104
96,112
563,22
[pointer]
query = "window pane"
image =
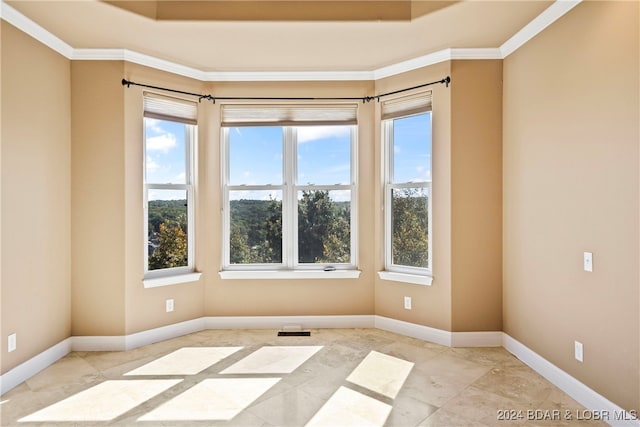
x,y
255,227
166,154
412,149
255,155
324,227
324,155
167,235
410,227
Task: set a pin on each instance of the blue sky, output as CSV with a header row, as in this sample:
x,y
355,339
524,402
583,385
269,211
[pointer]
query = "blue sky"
x,y
256,155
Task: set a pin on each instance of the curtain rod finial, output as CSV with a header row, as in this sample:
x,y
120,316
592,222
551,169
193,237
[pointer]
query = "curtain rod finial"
x,y
447,81
126,83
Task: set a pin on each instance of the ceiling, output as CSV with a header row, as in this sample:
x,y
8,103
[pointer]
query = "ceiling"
x,y
302,35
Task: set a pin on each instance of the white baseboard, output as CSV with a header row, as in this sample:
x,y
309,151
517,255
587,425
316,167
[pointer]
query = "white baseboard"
x,y
574,388
138,339
413,330
98,343
164,333
476,339
27,369
277,322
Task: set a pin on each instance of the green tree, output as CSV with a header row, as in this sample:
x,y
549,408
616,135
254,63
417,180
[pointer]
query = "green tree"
x,y
171,250
273,232
240,251
410,228
323,229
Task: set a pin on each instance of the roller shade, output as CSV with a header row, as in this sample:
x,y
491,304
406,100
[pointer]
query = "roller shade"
x,y
167,108
288,115
406,105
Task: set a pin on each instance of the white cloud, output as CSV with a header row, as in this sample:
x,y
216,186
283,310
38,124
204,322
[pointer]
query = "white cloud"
x,y
163,143
152,166
153,126
312,133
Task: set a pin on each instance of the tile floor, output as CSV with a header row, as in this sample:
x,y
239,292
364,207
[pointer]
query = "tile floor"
x,y
336,377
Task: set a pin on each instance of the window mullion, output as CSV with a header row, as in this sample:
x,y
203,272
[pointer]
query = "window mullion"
x,y
289,206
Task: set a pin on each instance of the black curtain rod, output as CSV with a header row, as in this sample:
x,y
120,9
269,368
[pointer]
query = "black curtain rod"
x,y
213,99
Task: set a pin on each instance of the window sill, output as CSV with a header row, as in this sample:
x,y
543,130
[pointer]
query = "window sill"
x,y
406,278
171,280
289,274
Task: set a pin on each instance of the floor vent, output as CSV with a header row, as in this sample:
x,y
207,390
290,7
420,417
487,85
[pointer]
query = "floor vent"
x,y
293,331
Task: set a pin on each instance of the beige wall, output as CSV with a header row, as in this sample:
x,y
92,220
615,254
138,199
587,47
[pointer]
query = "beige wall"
x,y
466,294
35,196
571,137
97,194
431,304
476,196
145,308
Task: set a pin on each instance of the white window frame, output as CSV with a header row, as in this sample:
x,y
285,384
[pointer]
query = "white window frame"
x,y
289,190
393,271
191,137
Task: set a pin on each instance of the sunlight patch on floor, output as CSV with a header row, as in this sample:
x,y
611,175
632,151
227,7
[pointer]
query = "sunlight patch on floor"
x,y
185,361
350,408
273,360
102,402
212,399
381,373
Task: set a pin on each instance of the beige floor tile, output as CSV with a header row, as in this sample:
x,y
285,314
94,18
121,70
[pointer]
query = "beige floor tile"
x,y
212,400
102,402
517,383
488,408
185,361
292,408
381,373
408,411
349,408
444,387
445,418
273,360
68,371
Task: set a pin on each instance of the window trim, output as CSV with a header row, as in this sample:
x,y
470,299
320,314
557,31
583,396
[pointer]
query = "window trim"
x,y
290,267
173,275
393,271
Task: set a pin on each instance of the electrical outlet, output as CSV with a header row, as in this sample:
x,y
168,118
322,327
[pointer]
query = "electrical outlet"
x,y
579,354
12,343
169,305
407,303
588,261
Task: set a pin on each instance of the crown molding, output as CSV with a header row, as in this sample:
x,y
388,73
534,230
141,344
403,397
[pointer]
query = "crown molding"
x,y
533,28
26,25
548,16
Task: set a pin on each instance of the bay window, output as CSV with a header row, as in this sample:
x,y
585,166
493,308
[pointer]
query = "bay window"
x,y
169,145
406,130
289,187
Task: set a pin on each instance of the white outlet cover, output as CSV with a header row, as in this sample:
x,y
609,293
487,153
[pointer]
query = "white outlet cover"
x,y
169,305
588,261
579,351
12,342
407,303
